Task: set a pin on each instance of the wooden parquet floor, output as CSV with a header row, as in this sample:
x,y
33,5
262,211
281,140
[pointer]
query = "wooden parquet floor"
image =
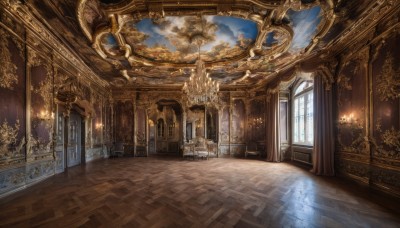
x,y
171,192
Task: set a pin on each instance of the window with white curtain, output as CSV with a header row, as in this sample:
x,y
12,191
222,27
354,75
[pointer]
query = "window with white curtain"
x,y
303,114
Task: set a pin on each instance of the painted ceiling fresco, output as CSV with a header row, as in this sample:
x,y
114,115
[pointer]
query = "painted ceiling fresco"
x,y
178,39
133,44
304,24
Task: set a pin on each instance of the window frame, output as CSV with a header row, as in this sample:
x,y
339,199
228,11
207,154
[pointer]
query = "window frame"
x,y
304,93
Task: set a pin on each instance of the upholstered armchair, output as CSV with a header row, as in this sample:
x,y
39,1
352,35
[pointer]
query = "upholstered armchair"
x,y
188,150
212,148
117,150
200,148
251,149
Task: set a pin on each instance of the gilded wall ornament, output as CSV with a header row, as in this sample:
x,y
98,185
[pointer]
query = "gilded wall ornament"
x,y
359,143
20,46
8,71
388,82
390,146
9,139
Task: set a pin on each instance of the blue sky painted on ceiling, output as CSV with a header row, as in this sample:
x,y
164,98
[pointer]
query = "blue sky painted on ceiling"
x,y
174,38
229,30
304,24
110,43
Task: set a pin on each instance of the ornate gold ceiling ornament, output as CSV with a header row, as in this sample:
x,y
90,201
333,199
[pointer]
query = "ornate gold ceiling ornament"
x,y
111,22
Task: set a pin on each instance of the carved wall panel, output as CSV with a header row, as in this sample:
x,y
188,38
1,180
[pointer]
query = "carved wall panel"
x,y
212,124
124,119
108,124
38,170
94,153
97,122
386,103
238,120
256,120
354,170
11,179
141,126
225,125
368,96
386,179
352,90
34,66
12,100
41,113
59,140
385,126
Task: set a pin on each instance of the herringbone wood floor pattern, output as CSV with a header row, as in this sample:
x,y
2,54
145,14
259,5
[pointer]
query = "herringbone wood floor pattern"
x,y
171,192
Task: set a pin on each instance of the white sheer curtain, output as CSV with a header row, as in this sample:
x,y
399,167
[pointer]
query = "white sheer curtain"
x,y
323,152
272,111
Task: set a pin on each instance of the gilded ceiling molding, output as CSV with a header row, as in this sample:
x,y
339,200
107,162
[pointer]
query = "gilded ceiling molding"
x,y
21,11
377,10
80,7
296,5
118,15
8,71
327,71
96,42
330,17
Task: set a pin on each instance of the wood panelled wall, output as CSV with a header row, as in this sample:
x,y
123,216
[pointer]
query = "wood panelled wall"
x,y
239,119
33,70
368,104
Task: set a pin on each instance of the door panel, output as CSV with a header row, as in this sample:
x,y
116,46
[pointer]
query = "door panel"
x,y
74,140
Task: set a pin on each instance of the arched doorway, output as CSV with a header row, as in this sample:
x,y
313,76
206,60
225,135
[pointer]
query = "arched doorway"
x,y
165,127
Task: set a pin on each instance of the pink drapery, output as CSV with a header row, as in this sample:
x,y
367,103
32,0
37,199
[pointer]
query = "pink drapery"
x,y
273,141
323,152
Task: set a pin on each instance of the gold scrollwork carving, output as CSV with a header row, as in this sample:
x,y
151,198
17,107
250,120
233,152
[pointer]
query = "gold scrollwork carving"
x,y
45,89
360,143
388,82
8,140
390,139
8,71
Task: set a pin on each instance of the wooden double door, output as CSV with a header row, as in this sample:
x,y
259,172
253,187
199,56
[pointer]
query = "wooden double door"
x,y
75,148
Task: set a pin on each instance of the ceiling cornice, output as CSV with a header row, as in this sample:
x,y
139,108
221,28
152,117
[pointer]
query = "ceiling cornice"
x,y
375,12
42,30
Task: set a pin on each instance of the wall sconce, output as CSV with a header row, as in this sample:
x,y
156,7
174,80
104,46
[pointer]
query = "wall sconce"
x,y
99,126
45,115
256,121
350,120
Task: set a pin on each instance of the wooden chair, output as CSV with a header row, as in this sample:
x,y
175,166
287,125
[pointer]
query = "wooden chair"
x,y
252,150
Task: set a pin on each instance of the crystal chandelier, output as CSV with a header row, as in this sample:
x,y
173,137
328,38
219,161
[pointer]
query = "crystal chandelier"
x,y
201,89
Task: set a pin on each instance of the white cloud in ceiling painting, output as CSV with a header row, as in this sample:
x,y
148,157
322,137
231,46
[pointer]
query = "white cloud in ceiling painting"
x,y
305,24
176,38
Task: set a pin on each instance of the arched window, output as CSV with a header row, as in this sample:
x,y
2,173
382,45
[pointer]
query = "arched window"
x,y
303,114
